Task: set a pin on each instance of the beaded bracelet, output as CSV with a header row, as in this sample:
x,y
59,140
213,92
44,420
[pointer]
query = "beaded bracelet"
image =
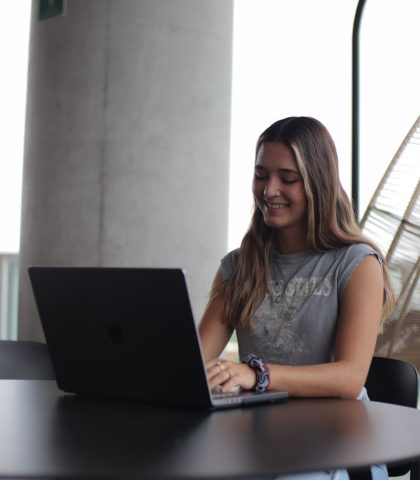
x,y
261,370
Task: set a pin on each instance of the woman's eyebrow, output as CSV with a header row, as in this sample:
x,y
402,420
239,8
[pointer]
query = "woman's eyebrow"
x,y
288,170
281,170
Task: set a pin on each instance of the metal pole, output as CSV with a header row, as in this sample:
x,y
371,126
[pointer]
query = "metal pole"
x,y
355,108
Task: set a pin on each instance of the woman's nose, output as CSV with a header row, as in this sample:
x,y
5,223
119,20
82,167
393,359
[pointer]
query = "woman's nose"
x,y
272,188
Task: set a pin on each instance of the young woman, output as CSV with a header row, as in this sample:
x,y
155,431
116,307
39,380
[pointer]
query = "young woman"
x,y
305,292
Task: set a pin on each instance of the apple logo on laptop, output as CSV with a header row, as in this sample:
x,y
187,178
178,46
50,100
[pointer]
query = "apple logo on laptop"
x,y
115,334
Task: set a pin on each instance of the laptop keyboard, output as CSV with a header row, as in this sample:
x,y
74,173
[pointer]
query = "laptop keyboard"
x,y
225,394
228,398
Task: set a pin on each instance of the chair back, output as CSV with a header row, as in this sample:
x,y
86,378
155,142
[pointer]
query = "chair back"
x,y
23,360
397,382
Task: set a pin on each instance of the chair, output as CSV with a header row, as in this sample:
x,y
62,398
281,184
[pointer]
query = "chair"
x,y
393,381
22,360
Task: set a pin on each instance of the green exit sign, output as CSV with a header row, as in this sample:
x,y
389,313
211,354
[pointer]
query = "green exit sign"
x,y
50,8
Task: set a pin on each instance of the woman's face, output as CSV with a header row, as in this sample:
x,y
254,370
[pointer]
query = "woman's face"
x,y
278,188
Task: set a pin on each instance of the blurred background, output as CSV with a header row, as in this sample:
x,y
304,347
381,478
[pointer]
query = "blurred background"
x,y
128,128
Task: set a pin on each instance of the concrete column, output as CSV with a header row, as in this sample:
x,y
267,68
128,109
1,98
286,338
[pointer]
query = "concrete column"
x,y
127,140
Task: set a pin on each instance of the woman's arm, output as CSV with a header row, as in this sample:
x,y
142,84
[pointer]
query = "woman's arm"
x,y
358,323
214,334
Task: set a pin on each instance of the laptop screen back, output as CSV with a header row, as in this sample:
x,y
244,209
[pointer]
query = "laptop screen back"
x,y
123,332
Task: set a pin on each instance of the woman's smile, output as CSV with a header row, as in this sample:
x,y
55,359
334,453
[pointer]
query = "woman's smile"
x,y
276,205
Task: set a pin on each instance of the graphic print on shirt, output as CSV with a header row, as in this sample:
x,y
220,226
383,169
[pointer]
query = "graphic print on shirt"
x,y
273,321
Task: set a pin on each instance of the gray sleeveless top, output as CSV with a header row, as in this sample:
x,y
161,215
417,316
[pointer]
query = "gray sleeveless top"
x,y
297,326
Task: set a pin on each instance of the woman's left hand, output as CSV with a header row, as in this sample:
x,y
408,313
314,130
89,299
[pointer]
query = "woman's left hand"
x,y
227,375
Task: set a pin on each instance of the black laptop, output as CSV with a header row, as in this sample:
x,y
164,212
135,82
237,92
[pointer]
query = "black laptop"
x,y
129,333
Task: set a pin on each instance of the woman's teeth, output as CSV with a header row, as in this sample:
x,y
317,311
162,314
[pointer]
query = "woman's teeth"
x,y
276,205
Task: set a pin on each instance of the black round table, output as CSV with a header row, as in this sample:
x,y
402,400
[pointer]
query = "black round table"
x,y
48,434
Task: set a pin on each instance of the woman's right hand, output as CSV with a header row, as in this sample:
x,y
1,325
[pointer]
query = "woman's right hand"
x,y
224,375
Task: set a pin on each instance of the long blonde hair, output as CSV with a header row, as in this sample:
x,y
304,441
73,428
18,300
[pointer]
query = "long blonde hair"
x,y
331,220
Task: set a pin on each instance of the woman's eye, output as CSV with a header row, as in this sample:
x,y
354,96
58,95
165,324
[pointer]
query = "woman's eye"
x,y
260,176
290,179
